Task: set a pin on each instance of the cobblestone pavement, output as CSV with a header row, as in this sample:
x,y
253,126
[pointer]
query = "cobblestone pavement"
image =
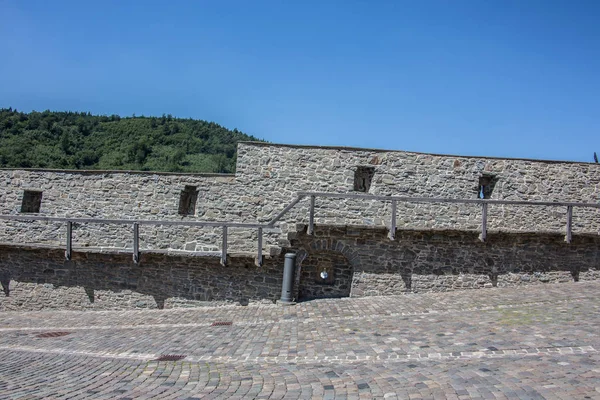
x,y
525,343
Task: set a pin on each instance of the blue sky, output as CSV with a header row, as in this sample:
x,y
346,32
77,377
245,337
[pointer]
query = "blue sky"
x,y
496,78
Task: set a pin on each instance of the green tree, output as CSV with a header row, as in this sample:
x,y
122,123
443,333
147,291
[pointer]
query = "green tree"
x,y
81,140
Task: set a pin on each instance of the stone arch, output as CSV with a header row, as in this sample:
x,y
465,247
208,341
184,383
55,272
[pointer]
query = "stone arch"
x,y
324,269
327,244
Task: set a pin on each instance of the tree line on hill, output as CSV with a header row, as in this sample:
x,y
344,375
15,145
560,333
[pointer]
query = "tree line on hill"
x,y
78,140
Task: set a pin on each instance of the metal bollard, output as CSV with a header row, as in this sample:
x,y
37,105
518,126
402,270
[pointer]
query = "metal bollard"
x,y
288,279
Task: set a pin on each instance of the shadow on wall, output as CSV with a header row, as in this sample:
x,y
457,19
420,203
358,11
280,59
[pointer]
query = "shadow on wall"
x,y
36,279
334,262
437,261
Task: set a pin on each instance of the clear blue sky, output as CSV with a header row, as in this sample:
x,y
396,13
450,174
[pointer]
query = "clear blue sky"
x,y
497,78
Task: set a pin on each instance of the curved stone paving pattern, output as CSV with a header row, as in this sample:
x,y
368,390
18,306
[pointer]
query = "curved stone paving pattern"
x,y
528,343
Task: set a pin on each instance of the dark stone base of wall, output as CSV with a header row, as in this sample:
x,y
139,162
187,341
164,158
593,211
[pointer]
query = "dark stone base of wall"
x,y
36,279
324,274
437,261
334,262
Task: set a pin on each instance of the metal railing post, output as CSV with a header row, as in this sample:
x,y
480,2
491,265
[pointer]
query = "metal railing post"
x,y
259,257
69,240
392,233
136,242
568,236
224,247
311,216
484,208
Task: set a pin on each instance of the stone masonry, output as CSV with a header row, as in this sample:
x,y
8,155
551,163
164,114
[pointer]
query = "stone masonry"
x,y
436,247
436,261
35,279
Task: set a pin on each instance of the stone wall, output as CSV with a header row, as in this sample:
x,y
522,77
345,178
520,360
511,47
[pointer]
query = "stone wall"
x,y
268,178
36,279
128,195
425,261
359,261
284,170
324,274
437,246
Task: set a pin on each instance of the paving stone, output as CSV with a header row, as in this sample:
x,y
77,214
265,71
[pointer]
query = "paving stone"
x,y
505,343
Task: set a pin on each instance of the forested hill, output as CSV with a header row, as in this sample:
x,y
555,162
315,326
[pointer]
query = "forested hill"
x,y
72,140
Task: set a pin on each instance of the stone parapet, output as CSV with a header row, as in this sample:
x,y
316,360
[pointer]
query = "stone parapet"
x,y
268,178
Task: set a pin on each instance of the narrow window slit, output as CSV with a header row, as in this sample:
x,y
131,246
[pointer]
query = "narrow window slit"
x,y
363,176
486,186
187,200
32,201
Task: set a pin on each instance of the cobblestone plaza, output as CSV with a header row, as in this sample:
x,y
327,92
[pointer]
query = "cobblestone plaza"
x,y
537,342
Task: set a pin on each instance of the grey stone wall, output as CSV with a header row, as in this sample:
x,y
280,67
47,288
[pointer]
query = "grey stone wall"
x,y
268,178
358,261
284,170
128,195
425,261
437,247
37,279
324,274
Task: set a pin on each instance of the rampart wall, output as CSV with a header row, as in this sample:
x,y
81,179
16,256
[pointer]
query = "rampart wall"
x,y
128,195
358,261
37,279
268,178
436,247
364,262
284,170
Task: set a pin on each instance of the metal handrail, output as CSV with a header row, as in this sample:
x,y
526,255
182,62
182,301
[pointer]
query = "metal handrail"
x,y
300,195
130,221
409,199
136,223
395,199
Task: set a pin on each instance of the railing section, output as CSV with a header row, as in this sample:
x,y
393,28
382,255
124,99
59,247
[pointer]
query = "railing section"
x,y
71,224
485,203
